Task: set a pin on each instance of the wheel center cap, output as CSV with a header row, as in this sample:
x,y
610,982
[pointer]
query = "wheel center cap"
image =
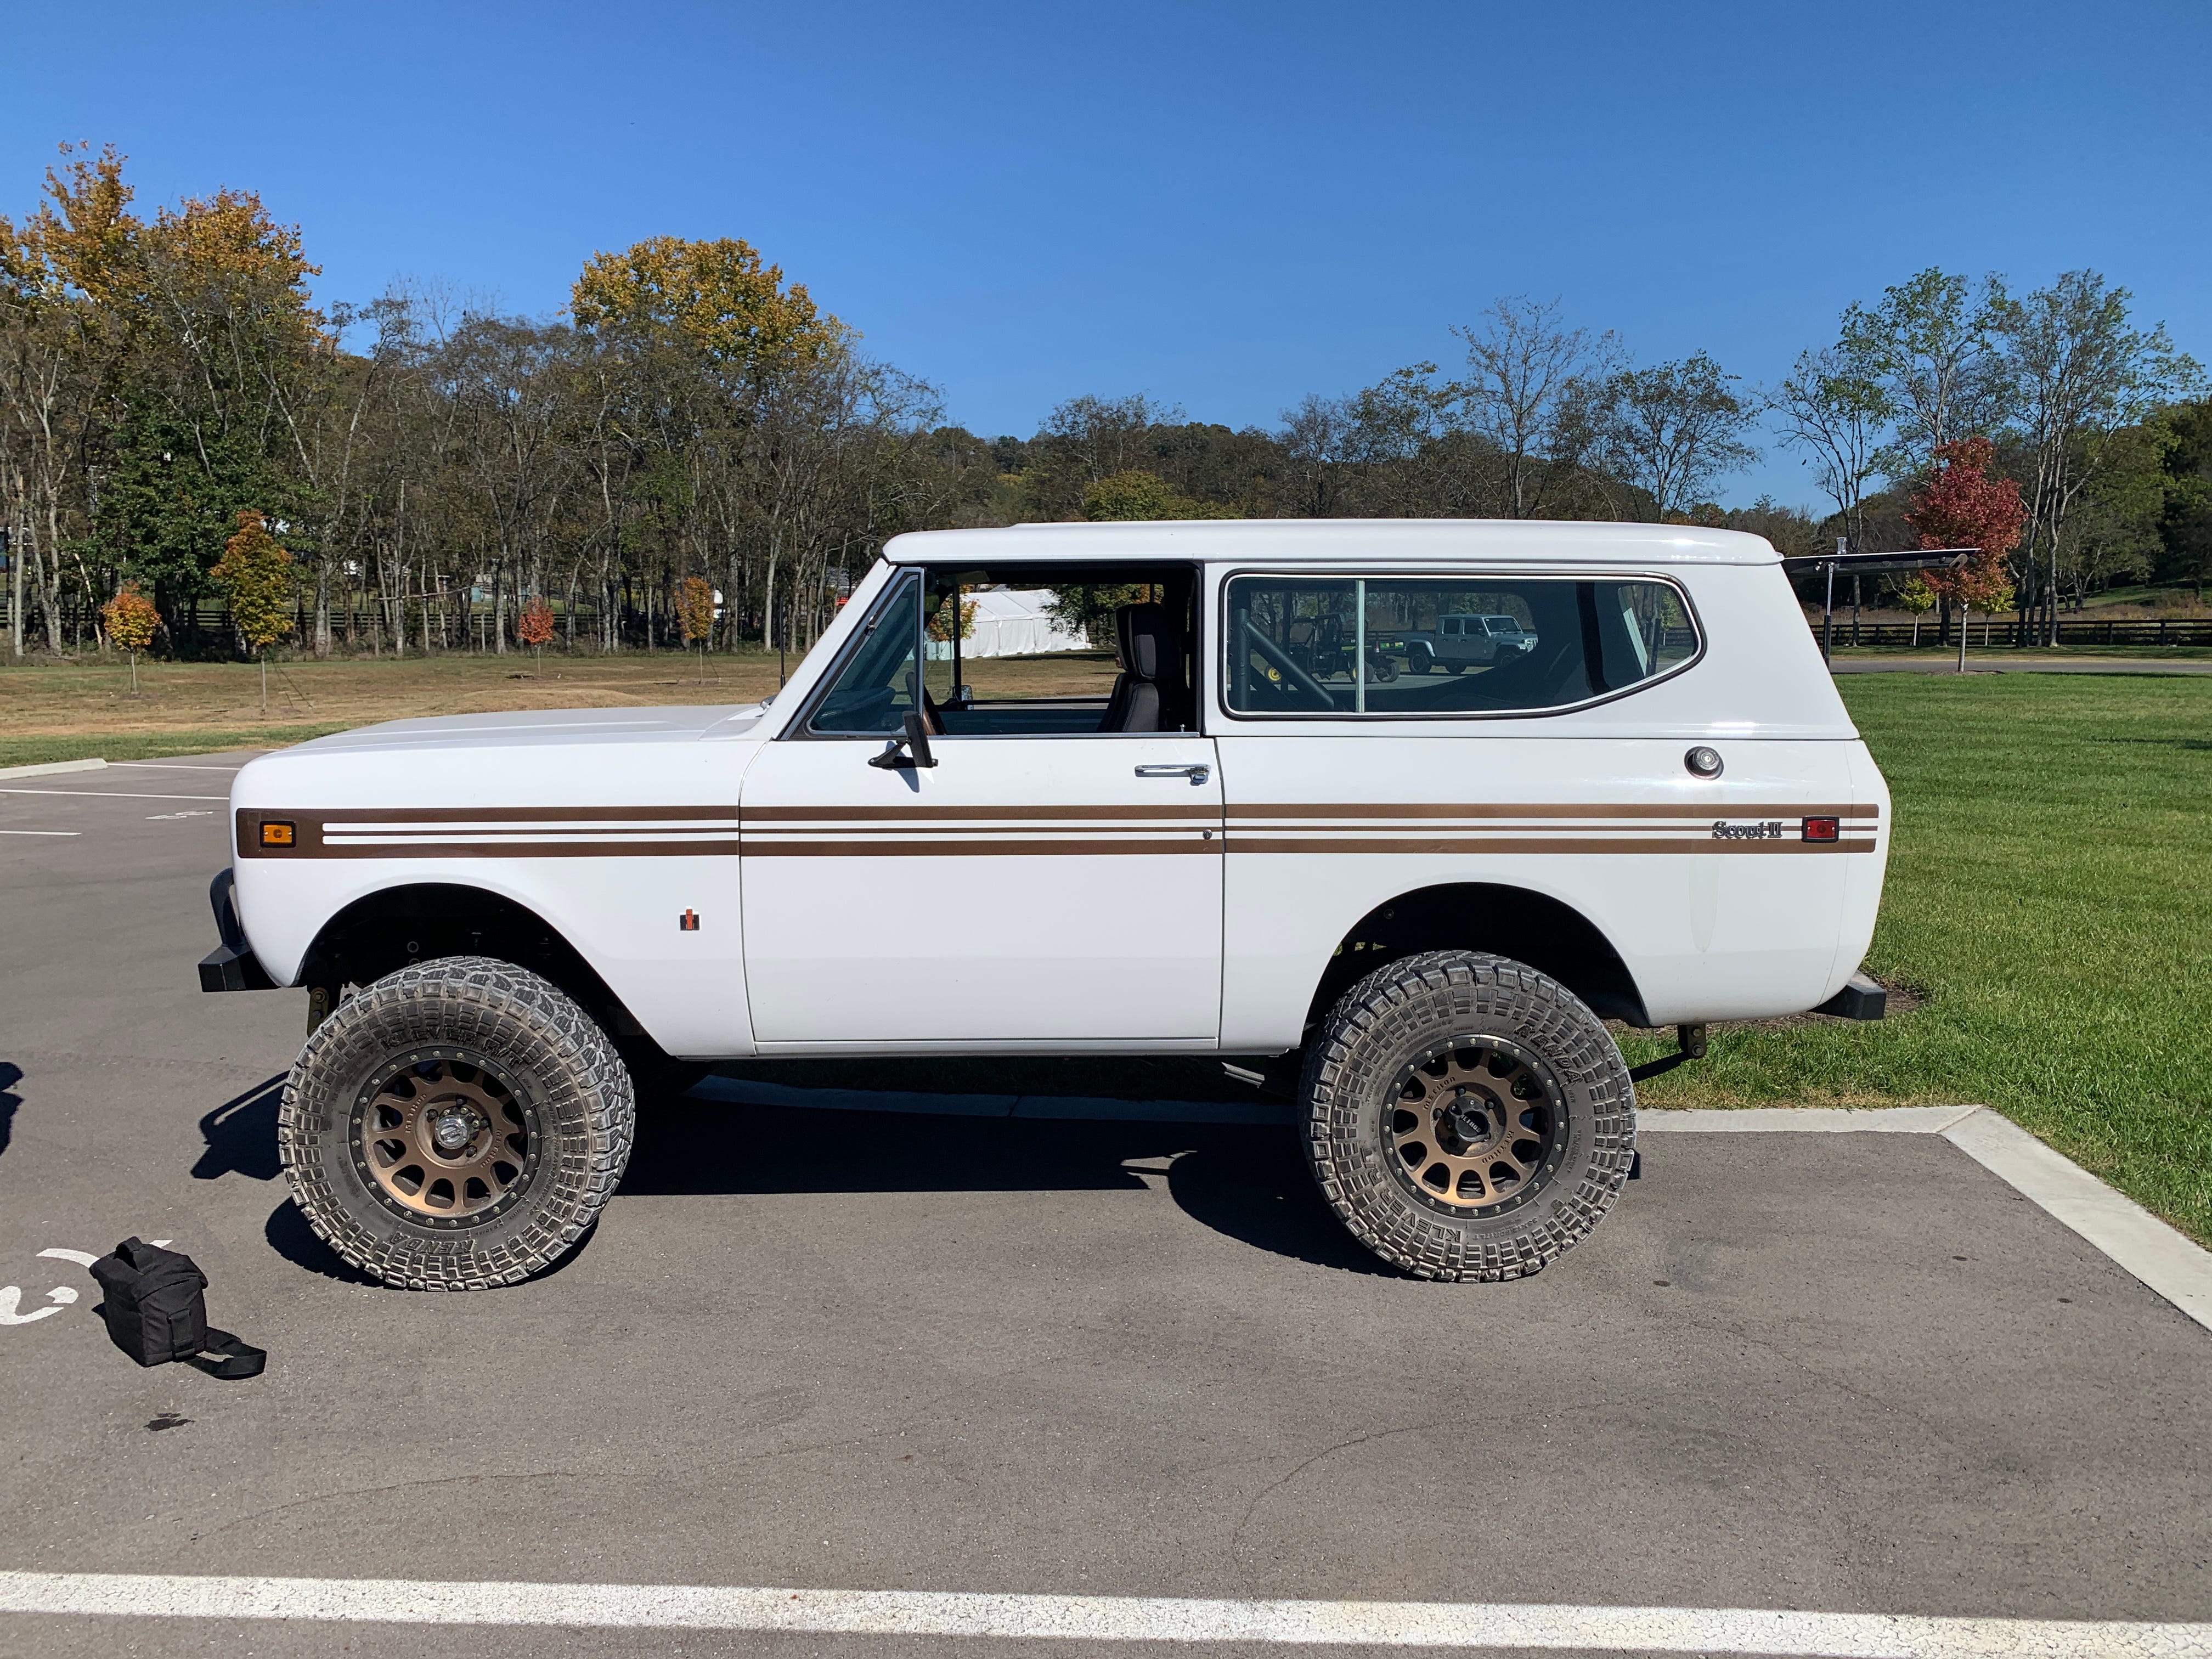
x,y
1467,1120
451,1131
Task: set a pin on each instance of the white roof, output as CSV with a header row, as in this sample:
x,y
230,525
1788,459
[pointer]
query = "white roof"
x,y
1327,541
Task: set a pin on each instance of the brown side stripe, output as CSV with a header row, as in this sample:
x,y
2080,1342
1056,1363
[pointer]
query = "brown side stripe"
x,y
1708,810
453,849
710,831
943,815
1070,847
1550,844
506,832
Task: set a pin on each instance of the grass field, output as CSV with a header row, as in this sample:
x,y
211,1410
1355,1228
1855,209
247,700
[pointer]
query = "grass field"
x,y
74,711
2050,897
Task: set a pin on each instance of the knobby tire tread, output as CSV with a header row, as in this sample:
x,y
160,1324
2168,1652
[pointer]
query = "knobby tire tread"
x,y
585,1100
1353,1062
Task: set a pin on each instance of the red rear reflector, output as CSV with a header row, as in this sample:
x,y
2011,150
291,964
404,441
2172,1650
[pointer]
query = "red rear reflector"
x,y
276,835
1820,829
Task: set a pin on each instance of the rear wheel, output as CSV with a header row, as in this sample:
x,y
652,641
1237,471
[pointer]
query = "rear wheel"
x,y
456,1126
1467,1117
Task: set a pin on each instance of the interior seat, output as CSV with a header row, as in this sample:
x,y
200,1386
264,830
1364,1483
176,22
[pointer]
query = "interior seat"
x,y
1145,647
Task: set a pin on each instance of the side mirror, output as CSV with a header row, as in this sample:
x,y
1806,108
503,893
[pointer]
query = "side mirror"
x,y
916,741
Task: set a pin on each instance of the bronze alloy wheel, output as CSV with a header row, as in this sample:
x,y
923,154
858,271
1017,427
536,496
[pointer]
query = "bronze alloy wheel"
x,y
1467,1116
1475,1125
458,1124
444,1138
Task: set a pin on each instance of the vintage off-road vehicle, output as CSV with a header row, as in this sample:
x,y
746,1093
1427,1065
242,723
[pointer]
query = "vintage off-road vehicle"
x,y
1424,895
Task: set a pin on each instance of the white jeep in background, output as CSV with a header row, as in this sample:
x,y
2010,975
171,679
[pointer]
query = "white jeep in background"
x,y
1429,893
1458,643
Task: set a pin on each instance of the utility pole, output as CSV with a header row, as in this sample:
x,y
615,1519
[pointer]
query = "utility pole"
x,y
15,588
1828,616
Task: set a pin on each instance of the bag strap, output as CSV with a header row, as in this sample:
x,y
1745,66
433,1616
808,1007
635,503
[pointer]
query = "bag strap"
x,y
224,1355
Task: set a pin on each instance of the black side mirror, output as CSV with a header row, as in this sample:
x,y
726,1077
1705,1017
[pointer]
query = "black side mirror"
x,y
916,741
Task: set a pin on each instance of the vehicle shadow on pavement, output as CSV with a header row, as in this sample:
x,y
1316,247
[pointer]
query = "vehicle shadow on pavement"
x,y
10,1077
291,1237
1249,1183
241,1135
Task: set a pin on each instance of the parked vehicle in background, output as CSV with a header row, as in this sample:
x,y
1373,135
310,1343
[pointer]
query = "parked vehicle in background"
x,y
1421,896
1460,642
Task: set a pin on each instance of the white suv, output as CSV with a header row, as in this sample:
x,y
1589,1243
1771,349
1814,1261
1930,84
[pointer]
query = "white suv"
x,y
1458,643
1426,893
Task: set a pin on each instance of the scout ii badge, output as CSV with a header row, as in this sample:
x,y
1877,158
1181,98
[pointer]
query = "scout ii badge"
x,y
156,1311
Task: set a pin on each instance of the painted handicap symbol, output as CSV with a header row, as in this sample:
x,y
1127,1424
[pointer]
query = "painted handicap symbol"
x,y
62,1296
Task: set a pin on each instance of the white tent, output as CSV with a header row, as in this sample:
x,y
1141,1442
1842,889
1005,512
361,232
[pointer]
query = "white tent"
x,y
1009,624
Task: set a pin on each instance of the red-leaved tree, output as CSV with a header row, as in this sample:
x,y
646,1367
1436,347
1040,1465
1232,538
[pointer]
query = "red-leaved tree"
x,y
534,626
1958,504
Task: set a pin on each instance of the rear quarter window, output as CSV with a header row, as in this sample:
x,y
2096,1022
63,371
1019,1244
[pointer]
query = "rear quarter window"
x,y
1401,647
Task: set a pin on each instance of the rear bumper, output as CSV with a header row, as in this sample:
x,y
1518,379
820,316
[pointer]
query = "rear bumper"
x,y
232,965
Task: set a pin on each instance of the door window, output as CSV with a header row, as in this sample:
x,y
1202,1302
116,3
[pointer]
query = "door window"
x,y
1399,647
879,683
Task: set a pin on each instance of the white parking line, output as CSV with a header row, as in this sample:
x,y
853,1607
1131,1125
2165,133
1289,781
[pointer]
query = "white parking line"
x,y
1465,1626
166,766
42,832
111,794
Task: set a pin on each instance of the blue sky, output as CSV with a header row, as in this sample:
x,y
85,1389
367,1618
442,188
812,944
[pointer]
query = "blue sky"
x,y
1225,206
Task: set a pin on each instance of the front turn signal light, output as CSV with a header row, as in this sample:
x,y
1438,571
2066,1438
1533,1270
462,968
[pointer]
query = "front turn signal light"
x,y
278,834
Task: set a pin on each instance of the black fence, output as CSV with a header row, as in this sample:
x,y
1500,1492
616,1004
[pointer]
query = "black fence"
x,y
2003,631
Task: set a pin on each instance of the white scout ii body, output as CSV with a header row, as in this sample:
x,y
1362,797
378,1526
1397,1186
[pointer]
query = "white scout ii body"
x,y
1660,804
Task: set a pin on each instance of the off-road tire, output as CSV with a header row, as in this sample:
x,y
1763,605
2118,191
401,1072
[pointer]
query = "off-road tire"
x,y
1420,1005
552,1055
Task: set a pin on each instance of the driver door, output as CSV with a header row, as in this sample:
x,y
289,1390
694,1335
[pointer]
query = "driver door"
x,y
1034,891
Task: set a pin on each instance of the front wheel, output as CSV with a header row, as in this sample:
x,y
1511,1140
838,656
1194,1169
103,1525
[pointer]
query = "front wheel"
x,y
1467,1117
456,1126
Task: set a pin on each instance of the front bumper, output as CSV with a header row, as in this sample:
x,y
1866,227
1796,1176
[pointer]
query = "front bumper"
x,y
232,965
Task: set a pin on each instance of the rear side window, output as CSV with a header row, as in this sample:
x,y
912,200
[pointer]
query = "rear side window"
x,y
1413,645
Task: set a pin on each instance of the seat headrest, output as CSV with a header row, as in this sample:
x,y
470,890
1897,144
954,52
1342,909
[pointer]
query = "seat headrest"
x,y
1143,641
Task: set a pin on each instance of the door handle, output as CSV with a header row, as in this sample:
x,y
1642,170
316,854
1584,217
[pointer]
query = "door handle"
x,y
1197,774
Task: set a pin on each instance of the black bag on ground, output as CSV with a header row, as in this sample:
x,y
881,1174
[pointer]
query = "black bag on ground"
x,y
156,1311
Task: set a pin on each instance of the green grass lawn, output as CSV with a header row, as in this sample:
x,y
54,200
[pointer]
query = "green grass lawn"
x,y
2050,897
37,751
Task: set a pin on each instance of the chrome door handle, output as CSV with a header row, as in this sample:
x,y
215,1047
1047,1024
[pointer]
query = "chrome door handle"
x,y
1197,774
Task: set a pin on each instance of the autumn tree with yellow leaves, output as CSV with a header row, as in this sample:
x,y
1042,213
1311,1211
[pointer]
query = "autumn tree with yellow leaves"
x,y
132,623
256,576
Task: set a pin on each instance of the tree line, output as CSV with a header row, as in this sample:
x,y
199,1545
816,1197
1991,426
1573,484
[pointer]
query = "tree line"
x,y
435,471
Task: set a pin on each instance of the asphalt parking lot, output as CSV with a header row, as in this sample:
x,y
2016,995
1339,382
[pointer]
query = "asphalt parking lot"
x,y
849,1350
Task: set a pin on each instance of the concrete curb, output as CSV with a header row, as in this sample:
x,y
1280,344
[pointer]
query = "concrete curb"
x,y
2163,1259
50,768
1817,1120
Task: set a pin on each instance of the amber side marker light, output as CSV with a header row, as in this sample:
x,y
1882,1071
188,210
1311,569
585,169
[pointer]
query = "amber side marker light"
x,y
277,834
1820,829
